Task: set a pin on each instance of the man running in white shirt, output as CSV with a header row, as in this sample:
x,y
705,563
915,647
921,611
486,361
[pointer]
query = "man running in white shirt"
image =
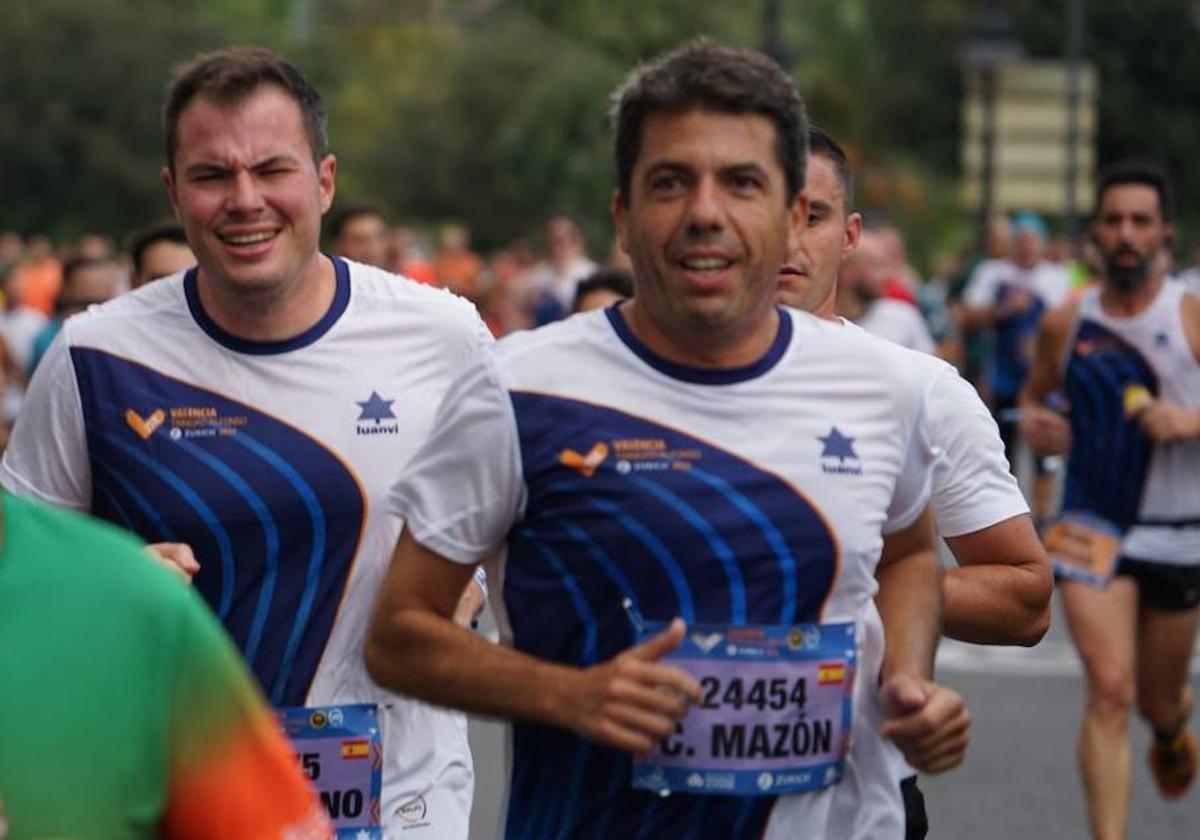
x,y
257,409
1000,593
699,454
1126,358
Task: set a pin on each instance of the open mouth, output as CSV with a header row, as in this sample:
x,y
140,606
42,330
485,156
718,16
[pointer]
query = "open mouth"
x,y
706,266
243,239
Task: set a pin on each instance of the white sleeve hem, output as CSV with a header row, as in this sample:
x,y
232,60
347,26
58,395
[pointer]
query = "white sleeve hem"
x,y
435,539
960,526
19,485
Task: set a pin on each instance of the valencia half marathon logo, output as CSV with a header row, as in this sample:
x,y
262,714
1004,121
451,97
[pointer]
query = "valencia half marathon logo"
x,y
376,416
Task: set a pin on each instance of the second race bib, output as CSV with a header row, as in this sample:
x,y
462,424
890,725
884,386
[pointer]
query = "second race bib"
x,y
1084,547
340,749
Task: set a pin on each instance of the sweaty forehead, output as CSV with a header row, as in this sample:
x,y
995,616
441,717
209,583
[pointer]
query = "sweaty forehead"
x,y
699,137
265,123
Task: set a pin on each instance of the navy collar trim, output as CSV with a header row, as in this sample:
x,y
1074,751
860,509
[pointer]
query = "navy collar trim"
x,y
341,300
704,376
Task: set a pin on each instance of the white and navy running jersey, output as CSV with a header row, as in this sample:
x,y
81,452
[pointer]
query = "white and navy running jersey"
x,y
272,460
993,284
750,496
1114,469
973,487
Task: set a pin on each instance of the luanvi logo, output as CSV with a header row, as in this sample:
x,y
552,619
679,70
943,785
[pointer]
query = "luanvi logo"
x,y
838,455
376,416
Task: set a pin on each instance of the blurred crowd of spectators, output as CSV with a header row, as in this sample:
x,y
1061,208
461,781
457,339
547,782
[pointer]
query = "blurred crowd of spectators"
x,y
531,282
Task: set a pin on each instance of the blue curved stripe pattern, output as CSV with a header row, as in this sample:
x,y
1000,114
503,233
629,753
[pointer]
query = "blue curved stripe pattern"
x,y
273,516
126,520
158,531
312,579
1110,455
678,526
270,534
195,504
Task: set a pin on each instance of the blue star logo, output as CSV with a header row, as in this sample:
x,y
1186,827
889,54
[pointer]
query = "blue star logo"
x,y
376,408
837,445
1162,339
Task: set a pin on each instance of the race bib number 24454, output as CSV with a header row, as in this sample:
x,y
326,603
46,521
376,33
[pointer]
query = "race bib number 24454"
x,y
774,717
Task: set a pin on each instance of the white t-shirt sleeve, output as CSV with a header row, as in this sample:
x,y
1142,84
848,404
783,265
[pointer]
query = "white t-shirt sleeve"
x,y
919,337
462,491
981,287
972,486
913,484
47,455
898,322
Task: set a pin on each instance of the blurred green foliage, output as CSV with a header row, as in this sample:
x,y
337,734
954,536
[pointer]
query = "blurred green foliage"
x,y
494,112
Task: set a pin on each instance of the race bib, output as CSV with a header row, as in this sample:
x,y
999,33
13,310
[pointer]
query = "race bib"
x,y
339,748
774,717
1084,547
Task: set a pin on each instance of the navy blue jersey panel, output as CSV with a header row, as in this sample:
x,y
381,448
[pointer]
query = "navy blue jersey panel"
x,y
273,516
1110,454
627,517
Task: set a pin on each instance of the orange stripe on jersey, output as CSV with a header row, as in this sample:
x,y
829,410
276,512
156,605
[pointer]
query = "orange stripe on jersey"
x,y
247,788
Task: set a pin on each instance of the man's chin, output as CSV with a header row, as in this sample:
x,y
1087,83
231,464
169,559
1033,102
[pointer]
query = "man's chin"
x,y
792,289
1128,278
790,298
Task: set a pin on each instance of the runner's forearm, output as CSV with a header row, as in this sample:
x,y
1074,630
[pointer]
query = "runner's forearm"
x,y
425,655
910,603
996,604
1000,593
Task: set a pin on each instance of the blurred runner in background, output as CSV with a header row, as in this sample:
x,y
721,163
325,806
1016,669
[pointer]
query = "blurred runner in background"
x,y
1124,360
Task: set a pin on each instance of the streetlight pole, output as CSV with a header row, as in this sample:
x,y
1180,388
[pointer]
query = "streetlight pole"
x,y
772,32
990,42
1074,56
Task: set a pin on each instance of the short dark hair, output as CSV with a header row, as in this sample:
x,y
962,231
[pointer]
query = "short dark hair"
x,y
339,220
1137,172
230,76
141,241
820,143
615,280
702,75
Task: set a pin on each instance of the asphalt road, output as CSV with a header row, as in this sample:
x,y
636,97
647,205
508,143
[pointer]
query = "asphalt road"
x,y
1019,779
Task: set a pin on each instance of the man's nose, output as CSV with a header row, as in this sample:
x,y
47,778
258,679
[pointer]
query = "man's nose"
x,y
244,195
706,210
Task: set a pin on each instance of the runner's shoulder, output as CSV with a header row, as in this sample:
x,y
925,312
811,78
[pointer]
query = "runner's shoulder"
x,y
379,288
559,340
880,356
396,305
154,306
